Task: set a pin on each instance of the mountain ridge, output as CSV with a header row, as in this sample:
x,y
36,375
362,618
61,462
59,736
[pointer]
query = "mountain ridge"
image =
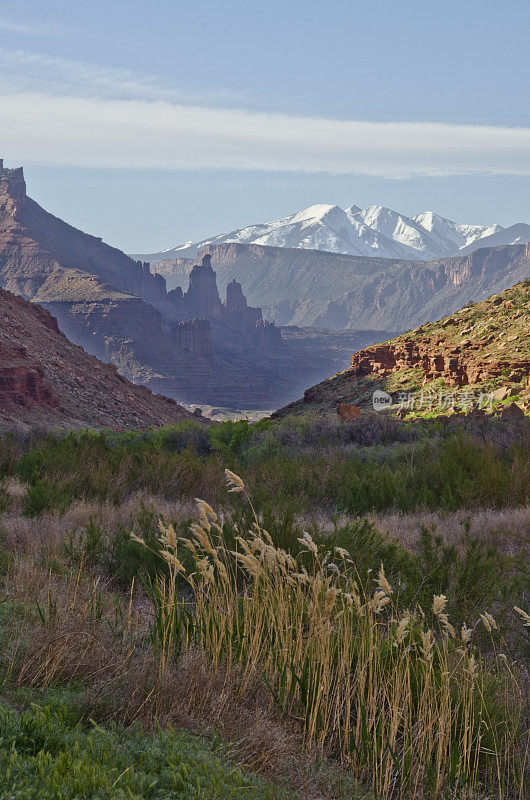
x,y
336,291
189,345
46,380
374,231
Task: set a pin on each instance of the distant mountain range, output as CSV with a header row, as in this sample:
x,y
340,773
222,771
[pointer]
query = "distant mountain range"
x,y
375,232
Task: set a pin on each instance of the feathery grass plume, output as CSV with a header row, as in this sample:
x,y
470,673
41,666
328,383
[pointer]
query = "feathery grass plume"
x,y
379,601
308,542
439,603
168,536
205,510
343,553
401,630
472,666
382,581
170,557
524,616
427,644
234,482
205,568
188,544
202,538
249,562
489,622
466,633
331,598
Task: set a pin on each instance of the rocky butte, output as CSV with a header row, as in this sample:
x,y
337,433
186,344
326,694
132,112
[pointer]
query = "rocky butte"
x,y
336,291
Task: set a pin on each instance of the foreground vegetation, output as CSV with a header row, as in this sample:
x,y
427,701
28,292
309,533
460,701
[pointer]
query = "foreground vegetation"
x,y
330,658
368,465
400,695
49,750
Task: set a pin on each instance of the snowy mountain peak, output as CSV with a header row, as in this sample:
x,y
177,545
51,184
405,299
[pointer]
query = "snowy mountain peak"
x,y
376,231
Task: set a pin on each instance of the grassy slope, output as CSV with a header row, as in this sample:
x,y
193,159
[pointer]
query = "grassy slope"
x,y
494,330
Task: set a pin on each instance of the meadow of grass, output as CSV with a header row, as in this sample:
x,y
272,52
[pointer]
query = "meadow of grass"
x,y
346,626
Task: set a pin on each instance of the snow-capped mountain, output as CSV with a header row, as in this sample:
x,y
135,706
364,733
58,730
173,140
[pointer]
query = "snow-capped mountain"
x,y
451,234
374,231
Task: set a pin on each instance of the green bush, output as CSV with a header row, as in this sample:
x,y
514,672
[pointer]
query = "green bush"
x,y
47,753
43,496
297,465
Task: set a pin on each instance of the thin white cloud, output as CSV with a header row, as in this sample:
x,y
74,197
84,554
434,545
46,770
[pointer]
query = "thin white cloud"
x,y
28,29
90,132
24,71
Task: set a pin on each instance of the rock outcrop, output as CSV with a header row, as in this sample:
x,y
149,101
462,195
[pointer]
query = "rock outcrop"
x,y
45,380
482,349
202,300
194,335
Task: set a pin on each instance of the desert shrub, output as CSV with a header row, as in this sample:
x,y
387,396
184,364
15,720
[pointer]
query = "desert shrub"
x,y
109,469
114,552
188,434
372,466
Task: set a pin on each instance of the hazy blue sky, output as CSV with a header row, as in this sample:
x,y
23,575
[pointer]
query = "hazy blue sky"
x,y
151,124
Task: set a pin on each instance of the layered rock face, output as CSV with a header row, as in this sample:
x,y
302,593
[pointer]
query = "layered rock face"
x,y
482,343
34,244
22,382
47,380
194,335
456,366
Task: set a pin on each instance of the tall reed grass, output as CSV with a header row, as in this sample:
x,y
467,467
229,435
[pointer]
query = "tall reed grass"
x,y
401,697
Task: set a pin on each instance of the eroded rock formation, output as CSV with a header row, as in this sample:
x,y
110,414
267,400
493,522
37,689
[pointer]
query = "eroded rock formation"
x,y
482,349
202,300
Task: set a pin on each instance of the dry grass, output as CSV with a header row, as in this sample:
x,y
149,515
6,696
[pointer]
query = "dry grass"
x,y
59,628
508,529
407,705
50,529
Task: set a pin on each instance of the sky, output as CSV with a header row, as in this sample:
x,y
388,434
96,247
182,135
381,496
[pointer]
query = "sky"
x,y
154,124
